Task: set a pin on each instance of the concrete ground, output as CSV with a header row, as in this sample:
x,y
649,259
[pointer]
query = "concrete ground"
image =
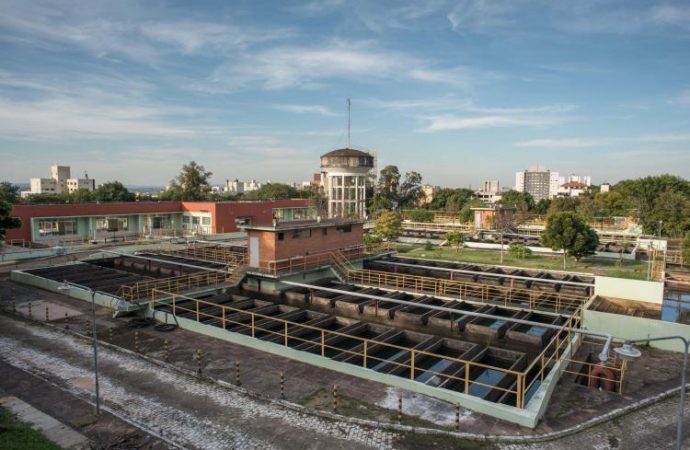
x,y
66,362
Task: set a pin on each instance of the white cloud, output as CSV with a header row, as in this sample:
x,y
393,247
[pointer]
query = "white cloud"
x,y
194,36
682,99
308,67
306,109
560,143
482,15
569,143
451,122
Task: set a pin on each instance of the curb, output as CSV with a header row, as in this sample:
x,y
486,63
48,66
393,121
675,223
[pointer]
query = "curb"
x,y
523,438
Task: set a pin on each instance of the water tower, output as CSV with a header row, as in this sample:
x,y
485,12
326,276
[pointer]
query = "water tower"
x,y
344,176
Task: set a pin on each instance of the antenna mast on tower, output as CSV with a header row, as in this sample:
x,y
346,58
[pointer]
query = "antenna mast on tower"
x,y
349,107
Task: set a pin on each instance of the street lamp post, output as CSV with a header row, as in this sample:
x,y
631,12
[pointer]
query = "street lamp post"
x,y
630,352
66,286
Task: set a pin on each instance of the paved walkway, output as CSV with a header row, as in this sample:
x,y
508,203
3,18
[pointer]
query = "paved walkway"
x,y
185,410
50,427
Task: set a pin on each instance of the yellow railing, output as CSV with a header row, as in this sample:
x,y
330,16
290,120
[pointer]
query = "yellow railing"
x,y
300,263
213,254
430,226
675,257
144,289
508,296
255,323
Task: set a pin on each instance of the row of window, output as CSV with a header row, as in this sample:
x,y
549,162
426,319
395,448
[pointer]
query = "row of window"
x,y
196,220
299,234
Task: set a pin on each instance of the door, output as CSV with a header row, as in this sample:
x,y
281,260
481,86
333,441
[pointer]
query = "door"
x,y
254,251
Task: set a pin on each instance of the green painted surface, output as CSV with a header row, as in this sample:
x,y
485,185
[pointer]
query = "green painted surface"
x,y
627,327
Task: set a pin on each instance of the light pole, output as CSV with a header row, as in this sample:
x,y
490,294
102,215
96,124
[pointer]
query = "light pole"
x,y
628,351
66,286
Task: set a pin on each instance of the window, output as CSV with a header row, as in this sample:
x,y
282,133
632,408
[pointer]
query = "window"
x,y
57,227
185,220
111,224
343,228
324,231
195,220
281,236
298,234
206,221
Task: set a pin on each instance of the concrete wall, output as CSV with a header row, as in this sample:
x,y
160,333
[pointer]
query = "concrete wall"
x,y
628,327
644,291
101,298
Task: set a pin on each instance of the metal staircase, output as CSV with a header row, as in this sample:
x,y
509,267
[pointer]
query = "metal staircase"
x,y
238,274
341,266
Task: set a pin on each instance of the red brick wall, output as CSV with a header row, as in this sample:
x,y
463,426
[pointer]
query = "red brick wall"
x,y
261,212
271,249
26,212
223,213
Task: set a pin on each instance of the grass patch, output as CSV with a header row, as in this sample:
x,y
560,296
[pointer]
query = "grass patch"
x,y
322,399
626,269
14,435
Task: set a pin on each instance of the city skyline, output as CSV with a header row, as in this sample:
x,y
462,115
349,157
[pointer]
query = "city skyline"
x,y
458,91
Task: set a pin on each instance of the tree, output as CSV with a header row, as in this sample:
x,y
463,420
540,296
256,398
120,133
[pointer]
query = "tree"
x,y
518,200
420,215
9,192
389,181
519,250
454,238
450,200
80,196
388,225
113,191
410,190
567,231
194,182
273,191
6,221
523,202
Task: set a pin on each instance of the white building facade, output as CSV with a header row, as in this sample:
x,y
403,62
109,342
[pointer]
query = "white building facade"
x,y
60,181
345,174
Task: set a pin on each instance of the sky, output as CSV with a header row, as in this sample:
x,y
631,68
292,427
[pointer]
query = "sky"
x,y
459,91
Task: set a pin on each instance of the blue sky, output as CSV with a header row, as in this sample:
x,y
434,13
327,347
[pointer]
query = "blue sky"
x,y
460,91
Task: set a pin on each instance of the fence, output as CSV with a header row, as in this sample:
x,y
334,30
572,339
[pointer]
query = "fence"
x,y
430,226
509,296
212,254
406,359
144,289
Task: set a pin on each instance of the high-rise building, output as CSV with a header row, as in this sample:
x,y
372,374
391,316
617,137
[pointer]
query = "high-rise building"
x,y
490,191
60,181
345,174
540,182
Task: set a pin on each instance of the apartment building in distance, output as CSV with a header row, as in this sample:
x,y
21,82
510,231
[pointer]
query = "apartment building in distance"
x,y
540,182
60,181
490,192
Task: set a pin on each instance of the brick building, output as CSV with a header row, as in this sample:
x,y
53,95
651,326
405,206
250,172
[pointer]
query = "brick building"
x,y
282,241
55,223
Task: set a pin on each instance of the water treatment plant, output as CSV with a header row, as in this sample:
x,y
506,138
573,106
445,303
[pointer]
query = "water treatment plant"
x,y
495,339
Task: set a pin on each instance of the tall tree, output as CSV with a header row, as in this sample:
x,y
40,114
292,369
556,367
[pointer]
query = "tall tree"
x,y
388,225
410,190
569,232
194,182
389,181
7,221
273,191
9,192
113,191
